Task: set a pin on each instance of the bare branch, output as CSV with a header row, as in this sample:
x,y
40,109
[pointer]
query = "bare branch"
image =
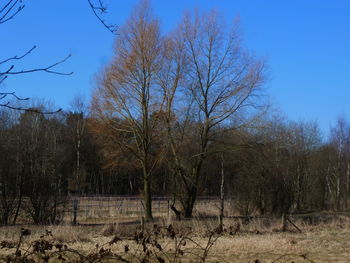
x,y
46,69
5,94
9,106
18,57
6,10
102,10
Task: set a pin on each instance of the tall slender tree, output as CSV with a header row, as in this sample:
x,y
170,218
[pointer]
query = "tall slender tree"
x,y
127,100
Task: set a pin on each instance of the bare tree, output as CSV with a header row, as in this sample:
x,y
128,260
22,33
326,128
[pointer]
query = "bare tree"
x,y
220,81
10,166
36,157
339,181
127,100
76,124
304,139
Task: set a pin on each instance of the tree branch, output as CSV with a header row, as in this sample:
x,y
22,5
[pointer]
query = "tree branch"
x,y
9,106
102,10
5,94
5,11
46,69
18,57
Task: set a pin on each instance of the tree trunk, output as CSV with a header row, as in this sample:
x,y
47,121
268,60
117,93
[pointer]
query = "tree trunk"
x,y
147,197
338,193
173,199
191,191
284,222
189,201
19,202
75,210
222,195
299,179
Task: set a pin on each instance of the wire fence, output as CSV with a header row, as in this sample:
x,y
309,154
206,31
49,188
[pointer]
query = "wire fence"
x,y
102,206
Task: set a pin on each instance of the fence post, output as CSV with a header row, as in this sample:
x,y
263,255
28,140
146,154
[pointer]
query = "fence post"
x,y
168,208
142,223
284,223
75,210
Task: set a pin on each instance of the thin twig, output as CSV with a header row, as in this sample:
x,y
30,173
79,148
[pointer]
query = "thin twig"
x,y
46,69
112,27
5,16
9,106
18,57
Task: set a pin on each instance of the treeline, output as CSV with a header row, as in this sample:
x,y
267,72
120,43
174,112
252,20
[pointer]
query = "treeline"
x,y
45,158
281,166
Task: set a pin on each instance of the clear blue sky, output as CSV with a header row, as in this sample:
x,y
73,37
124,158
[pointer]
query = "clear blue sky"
x,y
306,45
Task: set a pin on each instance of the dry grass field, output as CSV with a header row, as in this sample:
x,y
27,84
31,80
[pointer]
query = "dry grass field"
x,y
256,241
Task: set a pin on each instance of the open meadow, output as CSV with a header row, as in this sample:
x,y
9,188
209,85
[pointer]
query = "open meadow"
x,y
167,240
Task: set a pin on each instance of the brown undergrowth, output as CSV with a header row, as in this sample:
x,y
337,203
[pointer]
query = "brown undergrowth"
x,y
158,244
186,241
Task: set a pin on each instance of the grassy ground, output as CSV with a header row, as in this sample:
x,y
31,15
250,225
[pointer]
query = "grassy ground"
x,y
258,241
319,246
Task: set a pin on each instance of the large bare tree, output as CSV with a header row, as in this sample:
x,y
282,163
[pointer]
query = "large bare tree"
x,y
218,85
127,99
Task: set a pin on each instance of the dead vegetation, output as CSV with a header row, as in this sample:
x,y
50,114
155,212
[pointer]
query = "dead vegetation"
x,y
155,244
186,241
